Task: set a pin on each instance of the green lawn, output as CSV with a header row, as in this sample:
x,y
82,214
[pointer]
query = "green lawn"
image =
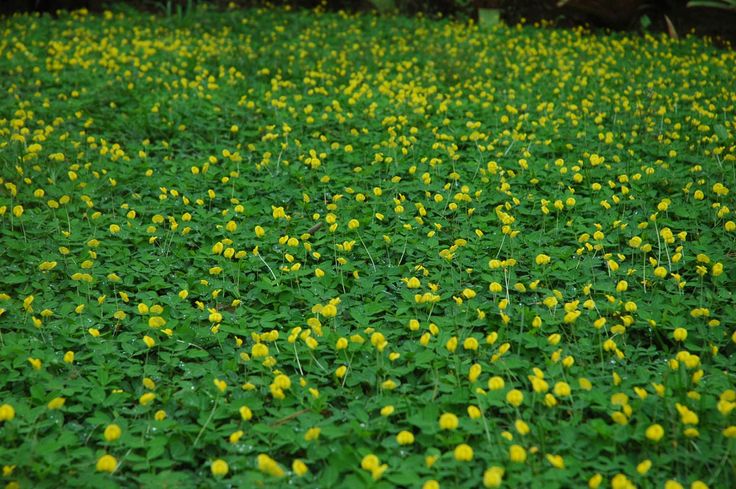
x,y
273,248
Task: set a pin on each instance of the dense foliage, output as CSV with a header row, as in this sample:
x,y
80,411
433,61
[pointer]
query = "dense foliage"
x,y
274,248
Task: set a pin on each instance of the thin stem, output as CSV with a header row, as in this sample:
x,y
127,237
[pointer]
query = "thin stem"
x,y
206,423
269,268
298,363
366,250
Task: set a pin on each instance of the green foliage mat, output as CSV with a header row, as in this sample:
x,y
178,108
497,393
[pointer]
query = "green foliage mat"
x,y
269,248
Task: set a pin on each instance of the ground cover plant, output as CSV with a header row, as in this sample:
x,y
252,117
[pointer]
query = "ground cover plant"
x,y
270,248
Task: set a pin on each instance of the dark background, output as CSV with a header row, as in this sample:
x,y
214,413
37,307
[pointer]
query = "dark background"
x,y
632,15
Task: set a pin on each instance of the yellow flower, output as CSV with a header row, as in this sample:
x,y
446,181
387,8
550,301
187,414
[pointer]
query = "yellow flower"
x,y
413,283
493,477
496,383
672,484
47,265
150,342
7,412
595,481
620,481
219,468
312,434
470,344
107,463
644,466
341,371
353,224
278,212
562,389
550,400
515,397
655,432
463,453
329,311
259,350
556,460
369,462
448,421
474,373
160,415
220,384
521,427
687,416
112,432
680,334
468,293
56,403
35,363
147,398
387,410
299,467
246,413
156,322
267,465
539,385
236,436
474,412
542,259
377,472
405,438
517,454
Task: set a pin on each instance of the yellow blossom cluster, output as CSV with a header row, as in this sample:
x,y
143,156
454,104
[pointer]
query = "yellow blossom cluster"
x,y
276,248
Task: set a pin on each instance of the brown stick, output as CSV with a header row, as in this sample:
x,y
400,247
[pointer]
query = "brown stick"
x,y
289,418
315,228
